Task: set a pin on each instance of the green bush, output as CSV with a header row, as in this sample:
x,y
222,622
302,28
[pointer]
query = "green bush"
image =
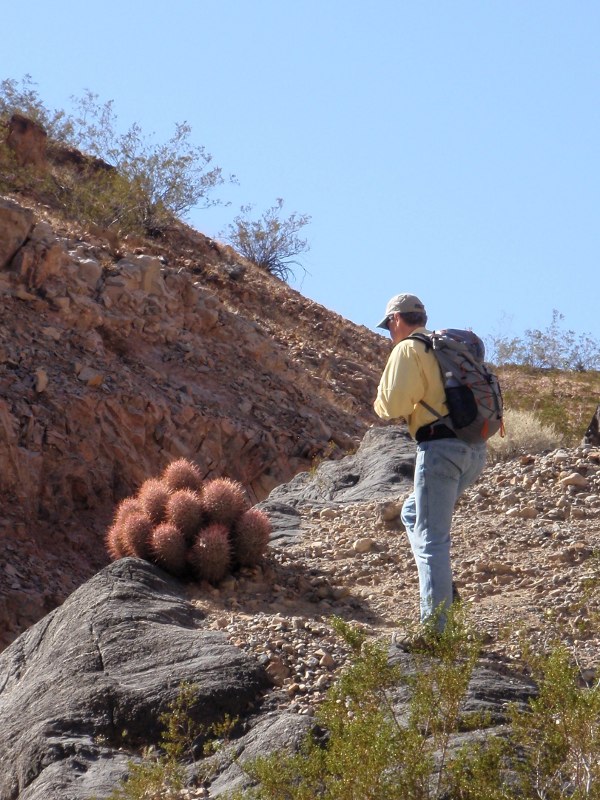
x,y
359,749
269,242
565,402
560,733
367,752
161,773
165,180
150,184
23,98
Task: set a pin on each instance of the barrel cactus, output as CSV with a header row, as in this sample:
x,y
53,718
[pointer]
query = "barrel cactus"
x,y
250,537
183,474
128,506
114,542
224,500
169,548
210,555
153,497
136,536
190,528
184,510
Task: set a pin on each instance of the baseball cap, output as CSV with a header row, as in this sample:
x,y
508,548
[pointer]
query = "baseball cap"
x,y
403,304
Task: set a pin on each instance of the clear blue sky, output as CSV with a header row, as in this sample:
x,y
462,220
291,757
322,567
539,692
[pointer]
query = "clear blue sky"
x,y
450,149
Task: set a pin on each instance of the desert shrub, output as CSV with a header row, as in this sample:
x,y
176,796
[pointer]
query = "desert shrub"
x,y
103,197
551,348
165,179
560,732
360,748
565,402
22,97
524,432
269,242
367,752
161,773
151,184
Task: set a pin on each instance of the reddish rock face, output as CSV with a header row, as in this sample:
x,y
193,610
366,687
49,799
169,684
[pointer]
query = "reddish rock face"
x,y
28,141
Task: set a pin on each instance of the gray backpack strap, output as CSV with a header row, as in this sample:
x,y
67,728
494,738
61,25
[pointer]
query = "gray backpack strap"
x,y
425,339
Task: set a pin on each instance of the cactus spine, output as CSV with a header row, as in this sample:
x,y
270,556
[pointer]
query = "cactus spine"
x,y
137,532
185,511
183,474
153,497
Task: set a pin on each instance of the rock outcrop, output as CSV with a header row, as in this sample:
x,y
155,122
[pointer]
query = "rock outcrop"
x,y
16,223
88,683
28,140
592,434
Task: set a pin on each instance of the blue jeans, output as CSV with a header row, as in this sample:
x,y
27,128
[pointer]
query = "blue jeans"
x,y
443,470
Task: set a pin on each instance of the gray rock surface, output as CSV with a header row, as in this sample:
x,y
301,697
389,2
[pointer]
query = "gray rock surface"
x,y
382,468
273,732
113,656
16,223
96,674
492,688
592,434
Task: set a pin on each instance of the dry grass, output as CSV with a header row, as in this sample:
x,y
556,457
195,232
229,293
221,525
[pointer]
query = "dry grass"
x,y
524,433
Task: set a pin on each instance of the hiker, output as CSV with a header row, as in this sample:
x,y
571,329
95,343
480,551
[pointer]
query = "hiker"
x,y
445,464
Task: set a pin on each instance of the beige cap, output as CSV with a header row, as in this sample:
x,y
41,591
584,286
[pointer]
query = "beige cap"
x,y
403,304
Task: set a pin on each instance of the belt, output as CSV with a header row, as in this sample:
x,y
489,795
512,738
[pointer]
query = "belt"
x,y
437,430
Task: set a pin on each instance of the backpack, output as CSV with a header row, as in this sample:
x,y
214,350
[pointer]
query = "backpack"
x,y
473,393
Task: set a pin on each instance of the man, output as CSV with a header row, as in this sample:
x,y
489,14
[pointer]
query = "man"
x,y
444,466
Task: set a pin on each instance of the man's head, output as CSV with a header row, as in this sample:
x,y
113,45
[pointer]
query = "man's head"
x,y
405,312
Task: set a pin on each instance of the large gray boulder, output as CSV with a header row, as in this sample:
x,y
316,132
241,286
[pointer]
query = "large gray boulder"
x,y
381,469
95,675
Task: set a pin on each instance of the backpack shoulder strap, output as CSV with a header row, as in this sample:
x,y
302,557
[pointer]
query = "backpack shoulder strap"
x,y
422,337
426,339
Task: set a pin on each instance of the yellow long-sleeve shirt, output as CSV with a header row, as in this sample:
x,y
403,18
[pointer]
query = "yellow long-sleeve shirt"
x,y
410,375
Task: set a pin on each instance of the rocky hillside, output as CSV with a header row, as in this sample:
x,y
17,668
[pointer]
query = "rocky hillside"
x,y
118,356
